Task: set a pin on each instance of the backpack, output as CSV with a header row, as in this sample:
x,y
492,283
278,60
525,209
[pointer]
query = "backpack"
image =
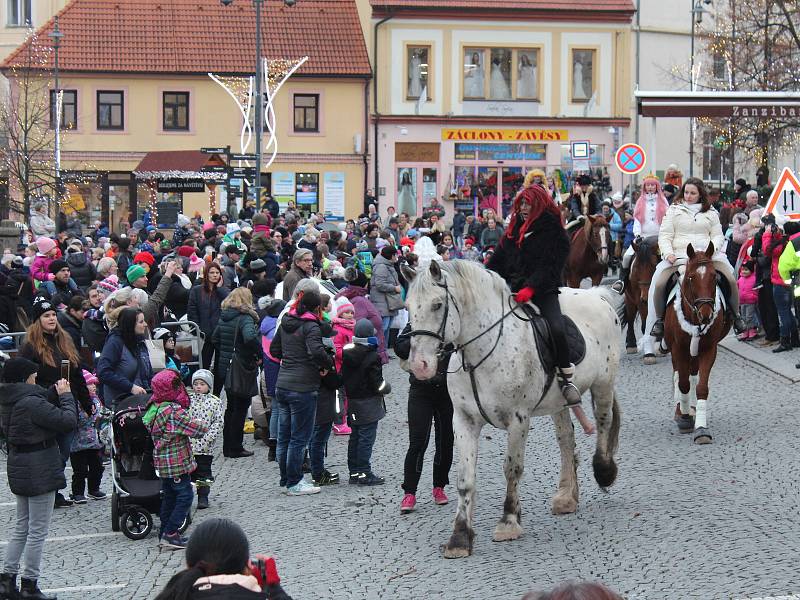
x,y
363,262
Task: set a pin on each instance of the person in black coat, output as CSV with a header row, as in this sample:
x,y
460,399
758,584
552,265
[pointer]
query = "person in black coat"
x,y
326,413
82,271
365,388
531,258
31,423
427,401
71,320
585,202
205,301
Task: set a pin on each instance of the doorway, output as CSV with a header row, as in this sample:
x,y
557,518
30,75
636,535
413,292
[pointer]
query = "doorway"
x,y
119,202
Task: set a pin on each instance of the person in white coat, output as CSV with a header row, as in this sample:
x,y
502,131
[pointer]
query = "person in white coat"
x,y
690,220
649,212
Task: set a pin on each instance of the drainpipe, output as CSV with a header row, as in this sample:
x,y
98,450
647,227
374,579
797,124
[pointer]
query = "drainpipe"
x,y
366,137
638,61
376,182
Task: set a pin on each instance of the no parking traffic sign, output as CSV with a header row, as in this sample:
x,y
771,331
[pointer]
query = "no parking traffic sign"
x,y
630,159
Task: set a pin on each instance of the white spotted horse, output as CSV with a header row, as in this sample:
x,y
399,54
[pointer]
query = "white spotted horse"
x,y
496,376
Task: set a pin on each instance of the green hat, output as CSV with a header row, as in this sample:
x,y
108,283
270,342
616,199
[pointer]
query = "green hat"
x,y
134,272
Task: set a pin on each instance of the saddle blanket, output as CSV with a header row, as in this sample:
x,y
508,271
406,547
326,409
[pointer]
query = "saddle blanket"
x,y
545,346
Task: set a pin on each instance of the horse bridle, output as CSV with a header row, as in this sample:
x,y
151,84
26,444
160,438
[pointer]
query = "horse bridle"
x,y
698,303
597,249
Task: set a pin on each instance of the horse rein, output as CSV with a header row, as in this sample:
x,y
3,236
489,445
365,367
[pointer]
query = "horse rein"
x,y
698,303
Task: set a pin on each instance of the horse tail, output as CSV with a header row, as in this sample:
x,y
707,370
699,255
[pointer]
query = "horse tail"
x,y
615,300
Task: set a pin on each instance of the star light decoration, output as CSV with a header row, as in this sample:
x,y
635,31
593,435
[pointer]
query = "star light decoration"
x,y
242,91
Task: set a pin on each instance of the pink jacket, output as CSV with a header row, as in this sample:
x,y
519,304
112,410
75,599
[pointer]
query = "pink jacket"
x,y
766,242
747,295
344,335
40,267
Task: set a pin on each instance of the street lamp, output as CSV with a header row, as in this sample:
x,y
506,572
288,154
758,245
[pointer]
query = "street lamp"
x,y
697,18
259,95
56,35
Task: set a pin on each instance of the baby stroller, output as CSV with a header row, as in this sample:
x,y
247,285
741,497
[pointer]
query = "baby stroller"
x,y
136,494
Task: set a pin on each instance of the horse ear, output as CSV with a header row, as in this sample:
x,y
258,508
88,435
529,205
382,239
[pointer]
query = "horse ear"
x,y
690,251
408,272
710,249
436,272
592,218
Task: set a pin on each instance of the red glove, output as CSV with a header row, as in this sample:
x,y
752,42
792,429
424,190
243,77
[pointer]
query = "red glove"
x,y
269,575
524,295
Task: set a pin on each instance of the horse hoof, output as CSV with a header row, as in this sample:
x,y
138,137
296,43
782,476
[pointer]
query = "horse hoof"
x,y
702,436
649,359
456,552
505,532
632,350
564,504
685,423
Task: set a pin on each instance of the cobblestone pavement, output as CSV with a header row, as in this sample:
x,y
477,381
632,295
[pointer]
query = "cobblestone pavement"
x,y
683,521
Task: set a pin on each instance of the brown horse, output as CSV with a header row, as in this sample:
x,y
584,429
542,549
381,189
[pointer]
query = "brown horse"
x,y
636,291
588,256
693,326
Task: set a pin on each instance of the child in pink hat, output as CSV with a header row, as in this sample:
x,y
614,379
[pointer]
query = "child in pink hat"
x,y
48,250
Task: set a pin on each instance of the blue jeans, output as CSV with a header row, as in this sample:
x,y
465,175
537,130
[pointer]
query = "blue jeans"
x,y
318,446
176,501
297,412
359,447
274,420
387,323
783,304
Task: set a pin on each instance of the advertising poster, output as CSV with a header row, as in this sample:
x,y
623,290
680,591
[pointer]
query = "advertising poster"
x,y
283,188
333,193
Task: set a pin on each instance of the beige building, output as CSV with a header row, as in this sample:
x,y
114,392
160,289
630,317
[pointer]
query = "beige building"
x,y
138,106
471,95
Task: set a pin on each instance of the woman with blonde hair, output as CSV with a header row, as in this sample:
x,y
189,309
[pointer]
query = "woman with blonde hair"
x,y
237,333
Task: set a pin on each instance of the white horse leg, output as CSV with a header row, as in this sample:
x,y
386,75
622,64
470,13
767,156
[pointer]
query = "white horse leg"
x,y
693,380
565,500
467,432
608,418
510,527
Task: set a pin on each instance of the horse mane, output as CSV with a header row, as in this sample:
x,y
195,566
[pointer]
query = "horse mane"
x,y
643,251
467,279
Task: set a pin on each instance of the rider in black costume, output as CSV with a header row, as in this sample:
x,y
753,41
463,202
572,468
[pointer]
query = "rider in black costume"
x,y
531,258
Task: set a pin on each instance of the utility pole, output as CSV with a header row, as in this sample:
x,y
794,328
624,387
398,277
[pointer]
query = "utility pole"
x,y
259,106
691,88
56,35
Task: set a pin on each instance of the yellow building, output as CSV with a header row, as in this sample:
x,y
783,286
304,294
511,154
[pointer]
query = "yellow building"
x,y
473,94
135,81
18,16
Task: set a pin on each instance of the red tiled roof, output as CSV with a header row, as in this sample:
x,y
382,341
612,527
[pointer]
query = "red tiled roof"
x,y
198,36
575,6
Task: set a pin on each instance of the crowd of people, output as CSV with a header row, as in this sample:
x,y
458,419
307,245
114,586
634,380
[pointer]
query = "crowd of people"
x,y
299,314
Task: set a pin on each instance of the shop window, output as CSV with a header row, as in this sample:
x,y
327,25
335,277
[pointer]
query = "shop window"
x,y
307,192
715,157
69,109
110,110
719,66
306,113
176,111
19,13
407,191
429,178
583,82
418,72
596,157
503,74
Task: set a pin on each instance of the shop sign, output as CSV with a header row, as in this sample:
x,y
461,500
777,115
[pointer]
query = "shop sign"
x,y
79,176
181,185
425,152
505,135
500,152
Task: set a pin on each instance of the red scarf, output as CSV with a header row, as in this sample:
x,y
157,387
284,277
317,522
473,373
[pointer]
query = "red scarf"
x,y
540,202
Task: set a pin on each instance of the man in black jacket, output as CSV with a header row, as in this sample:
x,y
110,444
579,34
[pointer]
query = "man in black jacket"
x,y
427,401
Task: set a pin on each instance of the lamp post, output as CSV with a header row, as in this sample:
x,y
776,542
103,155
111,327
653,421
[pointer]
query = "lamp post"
x,y
697,17
259,95
56,35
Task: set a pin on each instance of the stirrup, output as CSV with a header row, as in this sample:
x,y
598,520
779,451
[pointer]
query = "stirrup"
x,y
618,286
569,390
658,329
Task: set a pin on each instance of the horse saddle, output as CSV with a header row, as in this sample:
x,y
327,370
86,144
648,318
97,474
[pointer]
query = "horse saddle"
x,y
545,346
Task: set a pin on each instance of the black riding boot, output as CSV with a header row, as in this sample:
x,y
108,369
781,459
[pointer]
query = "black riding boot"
x,y
658,329
785,345
202,496
28,590
8,587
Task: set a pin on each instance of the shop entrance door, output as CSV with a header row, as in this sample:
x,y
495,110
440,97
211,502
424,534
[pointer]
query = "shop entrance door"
x,y
120,196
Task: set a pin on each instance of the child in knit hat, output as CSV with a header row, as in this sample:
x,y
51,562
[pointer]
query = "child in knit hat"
x,y
343,325
46,254
365,388
86,451
207,408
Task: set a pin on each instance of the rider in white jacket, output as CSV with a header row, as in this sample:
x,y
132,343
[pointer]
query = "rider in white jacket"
x,y
690,220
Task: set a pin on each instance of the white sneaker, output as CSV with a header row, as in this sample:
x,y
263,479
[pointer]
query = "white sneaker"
x,y
302,488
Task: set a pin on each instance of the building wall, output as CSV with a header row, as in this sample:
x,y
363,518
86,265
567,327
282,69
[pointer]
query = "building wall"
x,y
12,36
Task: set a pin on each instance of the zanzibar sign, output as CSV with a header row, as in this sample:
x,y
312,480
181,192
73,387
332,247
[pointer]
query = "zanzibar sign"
x,y
505,135
708,107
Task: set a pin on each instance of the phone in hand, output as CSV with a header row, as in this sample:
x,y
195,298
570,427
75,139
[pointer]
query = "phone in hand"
x,y
259,571
65,369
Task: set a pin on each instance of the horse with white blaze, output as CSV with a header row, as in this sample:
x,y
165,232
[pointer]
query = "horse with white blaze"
x,y
495,376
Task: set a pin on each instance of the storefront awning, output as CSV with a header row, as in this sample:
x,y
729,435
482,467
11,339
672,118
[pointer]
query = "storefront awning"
x,y
734,104
177,164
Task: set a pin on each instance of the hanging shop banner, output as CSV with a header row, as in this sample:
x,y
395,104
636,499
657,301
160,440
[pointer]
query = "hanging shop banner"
x,y
333,194
505,135
283,188
181,185
500,152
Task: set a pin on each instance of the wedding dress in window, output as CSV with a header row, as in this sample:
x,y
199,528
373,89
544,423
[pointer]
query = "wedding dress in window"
x,y
407,198
526,82
415,78
473,79
498,86
578,92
